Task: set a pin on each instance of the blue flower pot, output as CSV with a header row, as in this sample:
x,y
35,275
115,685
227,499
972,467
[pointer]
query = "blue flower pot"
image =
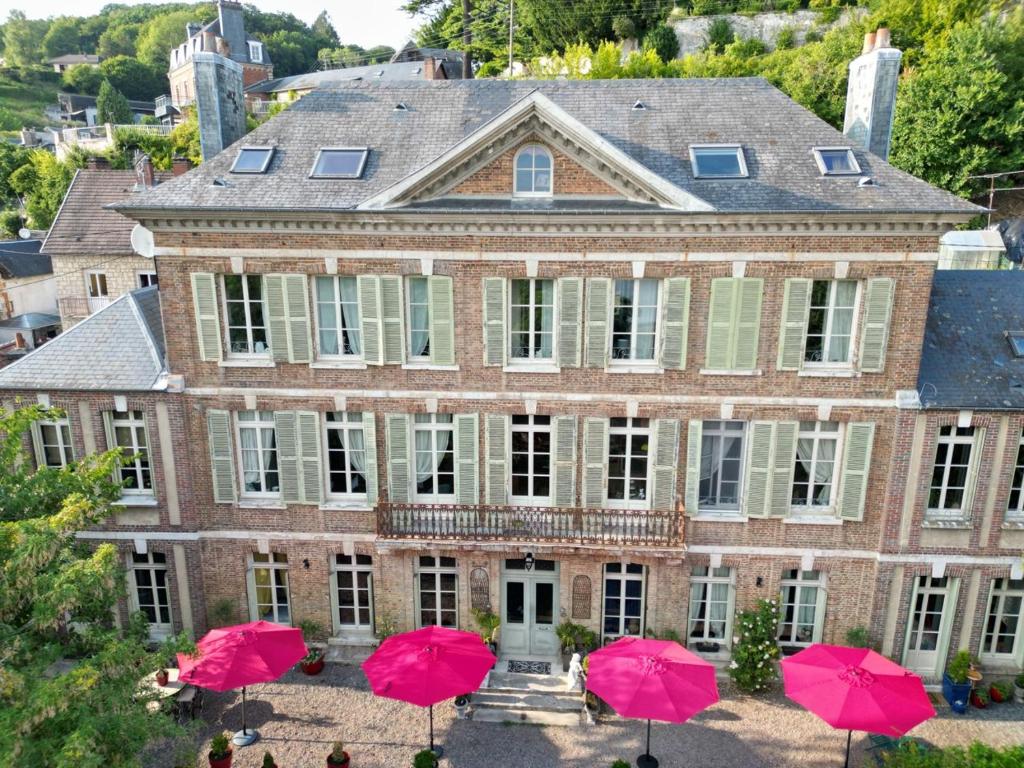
x,y
957,694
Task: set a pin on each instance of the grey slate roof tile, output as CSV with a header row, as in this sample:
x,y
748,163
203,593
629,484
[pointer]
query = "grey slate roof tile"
x,y
21,258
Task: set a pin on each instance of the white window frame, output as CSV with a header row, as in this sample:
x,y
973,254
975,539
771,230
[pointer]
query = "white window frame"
x,y
249,327
823,169
1015,507
358,174
408,305
255,51
97,284
278,574
533,331
737,149
802,581
632,360
433,426
951,440
999,591
532,192
146,278
817,434
339,326
157,629
350,421
706,580
264,420
268,156
436,571
530,429
623,578
630,430
134,421
64,443
355,568
720,434
827,332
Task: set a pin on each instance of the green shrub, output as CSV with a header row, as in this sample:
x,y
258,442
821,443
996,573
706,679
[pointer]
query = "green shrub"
x,y
488,622
720,34
912,755
10,223
706,7
1004,687
424,759
755,650
220,746
960,666
663,41
620,763
858,638
624,27
786,38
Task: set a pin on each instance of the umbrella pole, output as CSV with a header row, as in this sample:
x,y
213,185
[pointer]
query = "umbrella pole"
x,y
849,738
646,760
244,737
438,751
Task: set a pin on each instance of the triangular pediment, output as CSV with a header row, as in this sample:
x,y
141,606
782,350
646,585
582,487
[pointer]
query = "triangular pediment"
x,y
538,118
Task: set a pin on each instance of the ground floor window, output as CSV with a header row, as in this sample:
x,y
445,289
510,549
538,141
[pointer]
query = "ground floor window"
x,y
712,594
803,609
623,599
150,591
268,588
353,591
1002,623
437,592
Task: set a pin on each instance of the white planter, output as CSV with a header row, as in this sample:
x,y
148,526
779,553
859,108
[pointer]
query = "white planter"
x,y
1018,694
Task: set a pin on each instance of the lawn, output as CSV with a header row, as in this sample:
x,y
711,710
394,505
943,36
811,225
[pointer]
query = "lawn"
x,y
24,95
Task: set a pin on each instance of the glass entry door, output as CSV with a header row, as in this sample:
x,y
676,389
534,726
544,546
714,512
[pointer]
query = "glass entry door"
x,y
927,633
529,609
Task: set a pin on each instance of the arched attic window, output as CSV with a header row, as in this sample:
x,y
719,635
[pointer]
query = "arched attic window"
x,y
534,172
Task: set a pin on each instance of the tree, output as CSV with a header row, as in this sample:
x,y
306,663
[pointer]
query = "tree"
x,y
323,27
185,139
663,41
720,34
118,41
158,36
133,78
42,183
83,78
112,106
62,37
91,715
23,40
12,157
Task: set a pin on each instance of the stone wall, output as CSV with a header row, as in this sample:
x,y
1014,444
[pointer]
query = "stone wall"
x,y
692,31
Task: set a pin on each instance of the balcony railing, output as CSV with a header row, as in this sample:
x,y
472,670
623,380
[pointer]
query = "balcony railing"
x,y
482,522
74,306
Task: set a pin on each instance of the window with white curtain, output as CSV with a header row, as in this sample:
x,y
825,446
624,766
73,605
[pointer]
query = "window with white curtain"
x,y
268,587
803,609
53,443
437,592
532,319
950,471
629,448
814,474
531,459
129,428
711,600
623,599
243,309
339,333
435,458
1015,507
150,591
418,309
346,455
1003,621
533,169
634,320
721,465
830,322
353,585
257,445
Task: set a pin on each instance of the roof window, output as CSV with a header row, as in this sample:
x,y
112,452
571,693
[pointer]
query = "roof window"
x,y
718,161
1016,340
836,161
340,163
252,160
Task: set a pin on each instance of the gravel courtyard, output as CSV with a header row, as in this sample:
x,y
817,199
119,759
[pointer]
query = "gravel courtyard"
x,y
298,717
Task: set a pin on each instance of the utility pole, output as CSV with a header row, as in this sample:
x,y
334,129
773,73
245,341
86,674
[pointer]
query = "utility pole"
x,y
511,27
467,39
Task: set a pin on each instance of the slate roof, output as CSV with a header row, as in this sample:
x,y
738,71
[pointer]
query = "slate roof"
x,y
967,362
22,258
777,135
30,321
83,227
405,70
119,349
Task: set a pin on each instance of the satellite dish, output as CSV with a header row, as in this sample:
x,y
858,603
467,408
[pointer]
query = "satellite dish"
x,y
142,241
25,233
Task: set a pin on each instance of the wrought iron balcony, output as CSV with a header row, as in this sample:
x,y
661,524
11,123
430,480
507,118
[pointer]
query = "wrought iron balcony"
x,y
482,522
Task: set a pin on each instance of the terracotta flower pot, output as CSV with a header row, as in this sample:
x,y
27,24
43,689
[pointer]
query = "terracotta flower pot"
x,y
995,694
162,677
312,667
222,762
343,764
978,701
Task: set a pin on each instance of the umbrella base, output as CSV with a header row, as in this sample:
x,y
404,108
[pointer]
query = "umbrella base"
x,y
245,738
438,751
647,761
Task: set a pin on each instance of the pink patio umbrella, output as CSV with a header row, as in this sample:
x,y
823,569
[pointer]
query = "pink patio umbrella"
x,y
234,657
428,666
857,690
651,680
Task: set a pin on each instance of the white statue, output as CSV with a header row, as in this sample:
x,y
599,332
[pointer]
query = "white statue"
x,y
575,670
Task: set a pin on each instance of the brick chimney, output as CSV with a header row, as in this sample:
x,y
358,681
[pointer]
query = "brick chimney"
x,y
97,163
871,93
430,68
180,165
232,29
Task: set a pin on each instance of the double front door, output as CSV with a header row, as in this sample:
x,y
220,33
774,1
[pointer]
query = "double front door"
x,y
529,608
932,604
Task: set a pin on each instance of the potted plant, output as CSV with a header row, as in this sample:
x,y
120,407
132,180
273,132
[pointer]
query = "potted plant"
x,y
162,677
313,634
313,662
566,634
338,756
1000,691
268,760
979,698
488,622
424,759
956,687
220,751
1018,689
461,706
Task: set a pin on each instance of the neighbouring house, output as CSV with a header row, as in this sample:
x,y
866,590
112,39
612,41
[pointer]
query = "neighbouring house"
x,y
27,283
690,326
448,57
80,108
68,60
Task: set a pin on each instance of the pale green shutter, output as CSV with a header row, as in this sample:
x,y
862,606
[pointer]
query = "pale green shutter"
x,y
310,468
370,457
276,311
783,463
595,462
856,462
666,463
599,309
442,321
694,440
300,340
392,324
368,288
877,314
37,445
495,301
759,468
973,467
497,439
570,321
222,460
108,430
675,316
467,458
563,430
399,476
796,306
287,441
204,300
748,323
718,353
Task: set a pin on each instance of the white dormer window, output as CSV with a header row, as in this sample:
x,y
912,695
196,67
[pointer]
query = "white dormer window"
x,y
533,172
718,161
255,51
836,161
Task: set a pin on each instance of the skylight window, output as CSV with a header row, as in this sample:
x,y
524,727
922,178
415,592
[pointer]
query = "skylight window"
x,y
340,163
252,160
1016,339
836,161
718,161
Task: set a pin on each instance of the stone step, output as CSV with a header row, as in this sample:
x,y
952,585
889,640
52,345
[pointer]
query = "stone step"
x,y
528,717
520,701
517,681
347,654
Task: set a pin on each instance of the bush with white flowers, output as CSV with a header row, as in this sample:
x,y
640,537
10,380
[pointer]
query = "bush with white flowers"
x,y
754,649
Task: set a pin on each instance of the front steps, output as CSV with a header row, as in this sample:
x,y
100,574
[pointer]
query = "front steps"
x,y
529,699
341,651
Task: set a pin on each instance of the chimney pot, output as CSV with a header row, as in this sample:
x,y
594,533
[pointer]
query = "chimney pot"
x,y
869,42
97,163
882,37
180,165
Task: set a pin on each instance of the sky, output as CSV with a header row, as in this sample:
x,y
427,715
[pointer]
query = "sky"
x,y
363,22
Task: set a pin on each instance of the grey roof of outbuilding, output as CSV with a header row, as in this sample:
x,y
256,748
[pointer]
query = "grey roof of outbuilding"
x,y
30,321
22,258
967,362
118,349
404,70
777,135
